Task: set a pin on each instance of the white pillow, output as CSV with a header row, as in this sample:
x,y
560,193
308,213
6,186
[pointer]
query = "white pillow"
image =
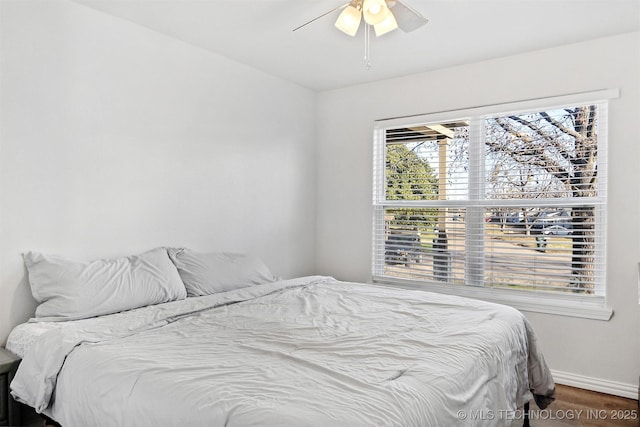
x,y
69,290
208,273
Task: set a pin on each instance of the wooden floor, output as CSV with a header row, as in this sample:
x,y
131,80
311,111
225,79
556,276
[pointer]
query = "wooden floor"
x,y
577,407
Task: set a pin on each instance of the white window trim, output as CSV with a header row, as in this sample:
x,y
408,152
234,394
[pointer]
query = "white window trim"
x,y
574,305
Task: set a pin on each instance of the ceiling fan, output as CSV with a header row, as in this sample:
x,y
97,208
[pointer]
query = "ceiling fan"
x,y
383,15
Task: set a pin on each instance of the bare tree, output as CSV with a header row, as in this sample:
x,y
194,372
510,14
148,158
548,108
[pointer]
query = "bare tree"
x,y
550,154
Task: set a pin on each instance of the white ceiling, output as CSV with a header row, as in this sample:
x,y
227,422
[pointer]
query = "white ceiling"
x,y
259,33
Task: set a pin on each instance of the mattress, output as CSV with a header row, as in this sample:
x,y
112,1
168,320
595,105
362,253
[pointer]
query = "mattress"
x,y
308,351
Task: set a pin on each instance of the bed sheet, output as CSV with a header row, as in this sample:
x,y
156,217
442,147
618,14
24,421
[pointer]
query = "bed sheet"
x,y
25,334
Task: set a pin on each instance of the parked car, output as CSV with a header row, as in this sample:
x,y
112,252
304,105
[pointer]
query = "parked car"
x,y
547,219
557,230
403,247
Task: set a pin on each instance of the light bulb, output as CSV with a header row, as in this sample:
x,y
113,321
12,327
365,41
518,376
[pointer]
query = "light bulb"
x,y
388,24
349,21
374,11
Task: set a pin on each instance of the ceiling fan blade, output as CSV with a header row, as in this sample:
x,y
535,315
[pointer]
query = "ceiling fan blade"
x,y
408,19
321,16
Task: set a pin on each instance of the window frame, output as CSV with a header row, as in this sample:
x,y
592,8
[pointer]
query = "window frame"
x,y
569,304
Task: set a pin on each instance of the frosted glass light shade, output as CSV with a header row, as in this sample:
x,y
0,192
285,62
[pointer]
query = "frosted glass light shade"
x,y
388,24
349,21
374,11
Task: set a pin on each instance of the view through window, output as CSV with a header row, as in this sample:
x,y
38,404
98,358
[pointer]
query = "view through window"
x,y
503,201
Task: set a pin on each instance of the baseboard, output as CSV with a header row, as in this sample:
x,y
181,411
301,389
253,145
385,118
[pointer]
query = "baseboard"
x,y
596,384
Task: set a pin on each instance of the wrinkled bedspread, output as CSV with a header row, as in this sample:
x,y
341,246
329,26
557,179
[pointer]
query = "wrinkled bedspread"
x,y
307,351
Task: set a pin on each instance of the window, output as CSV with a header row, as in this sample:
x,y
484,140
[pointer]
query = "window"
x,y
506,202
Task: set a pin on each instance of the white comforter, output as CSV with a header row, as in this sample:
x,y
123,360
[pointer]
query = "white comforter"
x,y
308,351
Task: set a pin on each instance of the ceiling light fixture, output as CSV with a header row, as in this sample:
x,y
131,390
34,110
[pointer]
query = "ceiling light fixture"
x,y
383,15
375,13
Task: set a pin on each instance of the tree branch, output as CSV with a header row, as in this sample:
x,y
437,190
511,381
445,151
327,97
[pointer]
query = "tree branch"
x,y
551,140
562,128
535,155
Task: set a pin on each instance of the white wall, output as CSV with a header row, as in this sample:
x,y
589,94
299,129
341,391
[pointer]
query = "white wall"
x,y
586,349
115,139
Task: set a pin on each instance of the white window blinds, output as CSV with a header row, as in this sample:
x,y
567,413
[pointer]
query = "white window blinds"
x,y
509,200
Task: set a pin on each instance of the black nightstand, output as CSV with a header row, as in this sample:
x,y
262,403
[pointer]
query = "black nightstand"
x,y
9,409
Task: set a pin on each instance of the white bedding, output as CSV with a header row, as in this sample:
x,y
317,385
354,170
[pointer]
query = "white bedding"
x,y
308,351
24,335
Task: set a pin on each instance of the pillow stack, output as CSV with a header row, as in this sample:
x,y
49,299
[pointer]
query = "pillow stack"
x,y
71,290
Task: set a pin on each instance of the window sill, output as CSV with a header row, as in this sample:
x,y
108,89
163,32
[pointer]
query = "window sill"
x,y
588,307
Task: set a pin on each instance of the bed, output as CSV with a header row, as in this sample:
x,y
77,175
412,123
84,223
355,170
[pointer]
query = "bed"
x,y
306,351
